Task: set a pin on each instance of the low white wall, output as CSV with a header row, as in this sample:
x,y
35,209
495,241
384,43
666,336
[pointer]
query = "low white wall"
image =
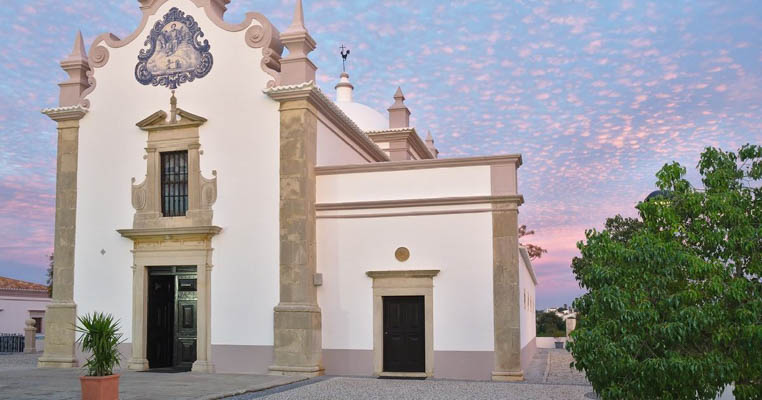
x,y
549,342
15,312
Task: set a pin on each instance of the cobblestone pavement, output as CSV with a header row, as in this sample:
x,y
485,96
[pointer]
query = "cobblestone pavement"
x,y
20,380
14,361
548,377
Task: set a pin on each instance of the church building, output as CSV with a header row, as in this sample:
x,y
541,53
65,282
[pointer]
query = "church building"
x,y
237,218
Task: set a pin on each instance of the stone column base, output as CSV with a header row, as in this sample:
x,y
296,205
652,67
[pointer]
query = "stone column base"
x,y
508,376
298,346
203,367
137,364
56,362
59,336
308,372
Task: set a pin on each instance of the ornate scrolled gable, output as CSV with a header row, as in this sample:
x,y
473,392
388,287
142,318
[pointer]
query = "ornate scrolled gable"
x,y
259,33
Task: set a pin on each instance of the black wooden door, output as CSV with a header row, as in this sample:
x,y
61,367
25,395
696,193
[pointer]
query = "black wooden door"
x,y
161,315
404,334
185,331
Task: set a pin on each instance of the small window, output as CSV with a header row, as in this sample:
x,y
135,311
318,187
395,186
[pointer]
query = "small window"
x,y
174,183
38,324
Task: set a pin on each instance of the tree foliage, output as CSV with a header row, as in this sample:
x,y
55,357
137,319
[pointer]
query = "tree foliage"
x,y
533,250
674,302
550,325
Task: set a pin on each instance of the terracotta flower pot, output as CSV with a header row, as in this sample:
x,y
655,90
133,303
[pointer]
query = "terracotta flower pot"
x,y
100,387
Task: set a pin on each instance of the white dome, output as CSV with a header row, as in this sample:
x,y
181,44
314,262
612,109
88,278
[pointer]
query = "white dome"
x,y
365,117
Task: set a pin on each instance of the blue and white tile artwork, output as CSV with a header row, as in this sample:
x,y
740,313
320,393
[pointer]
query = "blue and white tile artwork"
x,y
175,54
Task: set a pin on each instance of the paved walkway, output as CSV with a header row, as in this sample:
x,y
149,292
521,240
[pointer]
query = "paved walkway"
x,y
548,377
19,379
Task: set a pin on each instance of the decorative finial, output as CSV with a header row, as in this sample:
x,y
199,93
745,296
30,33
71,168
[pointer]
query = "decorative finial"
x,y
344,54
398,95
297,25
399,114
77,66
79,47
173,108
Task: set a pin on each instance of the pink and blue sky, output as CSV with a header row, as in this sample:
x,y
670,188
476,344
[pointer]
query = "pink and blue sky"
x,y
596,96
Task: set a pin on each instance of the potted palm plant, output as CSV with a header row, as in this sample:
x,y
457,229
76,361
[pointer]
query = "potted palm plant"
x,y
100,337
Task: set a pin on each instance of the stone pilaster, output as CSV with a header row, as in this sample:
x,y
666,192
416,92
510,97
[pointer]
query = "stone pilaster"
x,y
298,340
62,312
505,286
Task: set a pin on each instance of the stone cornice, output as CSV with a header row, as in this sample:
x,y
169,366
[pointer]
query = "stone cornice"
x,y
170,233
69,113
408,134
420,164
410,273
441,201
325,106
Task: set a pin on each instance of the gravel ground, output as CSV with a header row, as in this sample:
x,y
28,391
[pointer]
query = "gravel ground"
x,y
340,388
16,361
548,377
559,372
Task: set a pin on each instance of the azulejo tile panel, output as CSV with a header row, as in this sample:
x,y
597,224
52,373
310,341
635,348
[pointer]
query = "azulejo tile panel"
x,y
176,53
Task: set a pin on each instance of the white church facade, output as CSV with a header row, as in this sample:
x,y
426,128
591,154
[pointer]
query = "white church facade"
x,y
236,218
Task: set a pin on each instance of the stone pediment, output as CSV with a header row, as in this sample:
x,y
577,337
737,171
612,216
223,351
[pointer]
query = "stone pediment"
x,y
159,121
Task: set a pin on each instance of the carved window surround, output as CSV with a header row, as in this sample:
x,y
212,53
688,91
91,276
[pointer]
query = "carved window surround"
x,y
173,134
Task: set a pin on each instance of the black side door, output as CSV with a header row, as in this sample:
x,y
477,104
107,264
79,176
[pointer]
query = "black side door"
x,y
404,334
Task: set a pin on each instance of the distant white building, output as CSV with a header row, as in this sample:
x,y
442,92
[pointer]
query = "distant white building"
x,y
19,301
237,219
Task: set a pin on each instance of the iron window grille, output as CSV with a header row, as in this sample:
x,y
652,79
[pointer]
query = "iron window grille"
x,y
174,183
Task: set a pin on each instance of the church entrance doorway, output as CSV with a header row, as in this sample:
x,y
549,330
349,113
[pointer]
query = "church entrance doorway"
x,y
171,319
404,334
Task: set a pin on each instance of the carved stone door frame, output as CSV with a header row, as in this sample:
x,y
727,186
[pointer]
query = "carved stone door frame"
x,y
184,246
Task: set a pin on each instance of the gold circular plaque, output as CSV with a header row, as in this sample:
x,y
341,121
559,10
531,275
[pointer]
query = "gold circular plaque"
x,y
402,253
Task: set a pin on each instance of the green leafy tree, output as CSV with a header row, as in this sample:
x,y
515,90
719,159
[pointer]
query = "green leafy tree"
x,y
550,325
674,302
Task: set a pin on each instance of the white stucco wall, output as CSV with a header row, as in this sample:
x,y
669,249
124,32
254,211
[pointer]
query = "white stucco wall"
x,y
240,141
527,301
333,150
14,311
395,185
459,245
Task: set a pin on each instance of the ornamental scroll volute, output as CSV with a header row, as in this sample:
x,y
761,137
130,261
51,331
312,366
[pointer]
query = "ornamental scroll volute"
x,y
177,131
